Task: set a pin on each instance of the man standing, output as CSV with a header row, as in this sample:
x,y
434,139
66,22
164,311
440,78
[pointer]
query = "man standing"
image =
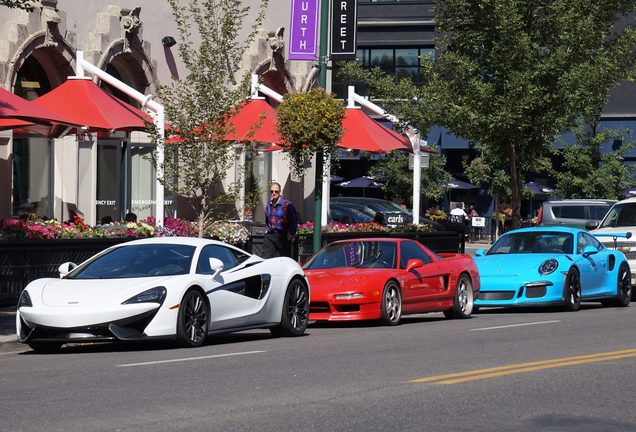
x,y
280,224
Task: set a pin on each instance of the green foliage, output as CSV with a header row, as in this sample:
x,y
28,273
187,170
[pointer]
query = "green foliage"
x,y
398,178
513,74
585,173
309,122
200,104
26,5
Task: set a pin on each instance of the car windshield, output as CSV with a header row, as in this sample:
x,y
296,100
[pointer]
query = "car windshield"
x,y
358,254
553,242
621,215
138,261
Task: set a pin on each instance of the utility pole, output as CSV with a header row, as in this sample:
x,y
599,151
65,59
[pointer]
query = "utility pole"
x,y
322,82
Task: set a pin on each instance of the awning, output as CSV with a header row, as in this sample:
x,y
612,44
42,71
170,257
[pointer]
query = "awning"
x,y
13,107
82,101
361,132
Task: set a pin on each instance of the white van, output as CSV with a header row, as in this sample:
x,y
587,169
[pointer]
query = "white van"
x,y
620,218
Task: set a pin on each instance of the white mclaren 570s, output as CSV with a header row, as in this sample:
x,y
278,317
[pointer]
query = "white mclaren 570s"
x,y
171,287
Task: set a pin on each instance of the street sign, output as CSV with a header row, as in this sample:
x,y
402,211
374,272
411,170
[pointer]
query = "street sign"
x,y
424,160
303,35
344,16
478,222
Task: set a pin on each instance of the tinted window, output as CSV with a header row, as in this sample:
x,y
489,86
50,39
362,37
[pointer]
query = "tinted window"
x,y
411,250
571,212
229,257
138,261
620,215
533,242
359,254
598,212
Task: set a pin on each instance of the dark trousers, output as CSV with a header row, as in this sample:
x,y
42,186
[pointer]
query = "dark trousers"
x,y
276,244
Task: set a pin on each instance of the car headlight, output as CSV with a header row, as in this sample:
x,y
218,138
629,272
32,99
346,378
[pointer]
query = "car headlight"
x,y
153,295
25,299
548,266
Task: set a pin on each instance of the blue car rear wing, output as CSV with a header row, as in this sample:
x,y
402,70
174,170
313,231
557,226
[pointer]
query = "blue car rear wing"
x,y
615,236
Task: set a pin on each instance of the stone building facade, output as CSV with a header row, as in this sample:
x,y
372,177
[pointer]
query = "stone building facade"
x,y
108,174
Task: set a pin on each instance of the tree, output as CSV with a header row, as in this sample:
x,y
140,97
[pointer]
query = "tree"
x,y
200,105
310,122
587,173
26,5
398,178
412,105
511,75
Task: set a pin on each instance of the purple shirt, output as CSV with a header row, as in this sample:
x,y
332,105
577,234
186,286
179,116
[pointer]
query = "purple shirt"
x,y
280,217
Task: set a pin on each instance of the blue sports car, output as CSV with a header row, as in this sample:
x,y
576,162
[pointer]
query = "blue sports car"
x,y
552,265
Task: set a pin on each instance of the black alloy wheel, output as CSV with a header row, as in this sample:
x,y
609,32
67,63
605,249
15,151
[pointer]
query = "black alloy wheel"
x,y
295,313
572,291
193,320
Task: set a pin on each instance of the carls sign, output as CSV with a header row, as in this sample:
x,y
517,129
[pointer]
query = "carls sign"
x,y
344,20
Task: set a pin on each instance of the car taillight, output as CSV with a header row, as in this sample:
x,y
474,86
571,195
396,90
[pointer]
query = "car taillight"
x,y
540,216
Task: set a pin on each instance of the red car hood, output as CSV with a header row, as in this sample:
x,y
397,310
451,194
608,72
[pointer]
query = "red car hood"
x,y
338,280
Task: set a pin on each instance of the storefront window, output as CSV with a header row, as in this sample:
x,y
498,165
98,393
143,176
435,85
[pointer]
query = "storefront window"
x,y
31,179
108,180
142,182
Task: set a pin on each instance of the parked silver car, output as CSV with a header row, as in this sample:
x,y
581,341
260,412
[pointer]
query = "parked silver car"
x,y
573,212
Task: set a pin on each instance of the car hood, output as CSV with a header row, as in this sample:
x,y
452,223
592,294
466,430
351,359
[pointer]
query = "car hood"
x,y
341,279
88,292
511,265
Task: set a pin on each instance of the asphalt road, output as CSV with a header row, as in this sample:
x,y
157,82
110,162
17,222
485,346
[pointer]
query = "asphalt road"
x,y
345,378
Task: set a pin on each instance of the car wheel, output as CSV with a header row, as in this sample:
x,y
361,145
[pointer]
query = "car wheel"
x,y
391,305
464,302
623,288
572,291
45,347
295,314
193,319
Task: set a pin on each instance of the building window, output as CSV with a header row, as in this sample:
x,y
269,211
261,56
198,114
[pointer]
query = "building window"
x,y
398,62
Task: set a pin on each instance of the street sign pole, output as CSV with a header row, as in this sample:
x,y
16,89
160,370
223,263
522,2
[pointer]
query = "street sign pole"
x,y
322,82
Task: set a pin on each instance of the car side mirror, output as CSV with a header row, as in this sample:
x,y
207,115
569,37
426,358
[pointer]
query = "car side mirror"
x,y
66,268
589,250
216,267
413,264
590,225
480,252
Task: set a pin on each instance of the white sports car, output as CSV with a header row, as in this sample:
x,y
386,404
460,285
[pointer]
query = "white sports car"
x,y
170,287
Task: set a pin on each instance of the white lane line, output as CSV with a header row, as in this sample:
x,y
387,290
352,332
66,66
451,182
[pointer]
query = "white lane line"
x,y
515,325
190,359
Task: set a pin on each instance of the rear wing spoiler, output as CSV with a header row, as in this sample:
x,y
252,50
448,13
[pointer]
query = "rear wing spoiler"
x,y
625,235
615,236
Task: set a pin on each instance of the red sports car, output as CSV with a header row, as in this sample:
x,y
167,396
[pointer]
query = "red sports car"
x,y
381,278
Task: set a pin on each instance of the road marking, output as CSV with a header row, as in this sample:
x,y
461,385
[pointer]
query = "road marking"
x,y
190,359
461,377
515,325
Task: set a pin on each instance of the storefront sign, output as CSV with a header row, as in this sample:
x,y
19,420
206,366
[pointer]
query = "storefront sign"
x,y
303,35
343,20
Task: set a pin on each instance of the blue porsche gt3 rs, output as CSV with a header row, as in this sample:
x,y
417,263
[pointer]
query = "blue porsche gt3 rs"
x,y
552,265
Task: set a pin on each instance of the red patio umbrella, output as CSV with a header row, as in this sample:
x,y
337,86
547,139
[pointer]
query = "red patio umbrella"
x,y
14,110
255,121
361,132
8,123
82,101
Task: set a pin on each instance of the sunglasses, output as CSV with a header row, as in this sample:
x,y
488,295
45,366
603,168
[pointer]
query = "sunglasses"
x,y
274,191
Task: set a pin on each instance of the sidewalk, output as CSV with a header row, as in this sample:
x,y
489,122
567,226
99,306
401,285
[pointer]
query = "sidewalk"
x,y
8,342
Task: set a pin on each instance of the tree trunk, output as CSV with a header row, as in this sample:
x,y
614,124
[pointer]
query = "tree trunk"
x,y
515,187
201,222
